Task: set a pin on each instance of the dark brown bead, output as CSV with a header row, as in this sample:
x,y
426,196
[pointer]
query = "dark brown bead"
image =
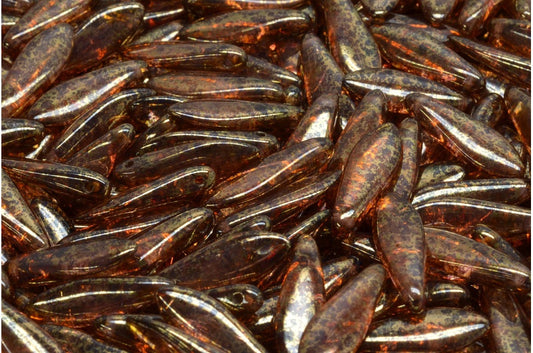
x,y
473,261
153,165
94,123
61,179
511,66
78,303
461,214
65,102
77,341
36,68
17,132
173,190
302,294
249,26
118,22
43,15
188,56
396,85
67,262
238,258
237,114
284,204
399,236
55,222
439,328
196,86
475,14
466,138
320,72
366,118
19,224
369,169
20,334
195,311
167,338
275,171
350,42
341,324
417,53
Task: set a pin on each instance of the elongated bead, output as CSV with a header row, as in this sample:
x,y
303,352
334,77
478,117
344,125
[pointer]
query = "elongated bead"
x,y
366,118
418,53
341,324
408,174
486,235
249,26
94,123
195,311
157,245
507,333
320,71
258,67
175,188
22,335
514,35
439,328
489,110
266,143
318,121
68,100
76,341
163,33
310,226
119,22
70,261
283,204
55,222
116,330
399,236
460,214
513,67
153,165
439,172
19,224
78,303
396,85
196,86
518,104
188,56
101,154
475,14
350,42
369,169
237,114
119,227
253,254
465,137
157,334
475,262
302,294
36,68
43,15
62,179
511,191
275,171
18,132
209,7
